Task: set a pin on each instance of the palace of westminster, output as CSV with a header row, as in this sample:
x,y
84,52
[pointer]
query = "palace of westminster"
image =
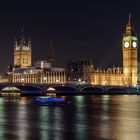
x,y
44,71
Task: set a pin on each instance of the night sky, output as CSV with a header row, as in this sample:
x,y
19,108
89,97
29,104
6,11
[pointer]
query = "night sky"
x,y
79,29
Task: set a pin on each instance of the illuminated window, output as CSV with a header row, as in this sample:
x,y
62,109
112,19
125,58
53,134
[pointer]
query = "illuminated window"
x,y
18,60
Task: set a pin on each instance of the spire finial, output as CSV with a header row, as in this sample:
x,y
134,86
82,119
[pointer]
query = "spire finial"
x,y
22,35
129,29
51,53
51,44
129,20
22,31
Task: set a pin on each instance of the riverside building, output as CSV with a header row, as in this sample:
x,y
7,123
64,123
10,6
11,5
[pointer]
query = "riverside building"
x,y
43,71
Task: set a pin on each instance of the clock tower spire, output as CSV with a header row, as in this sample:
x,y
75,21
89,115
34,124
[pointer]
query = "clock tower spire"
x,y
129,29
129,20
130,55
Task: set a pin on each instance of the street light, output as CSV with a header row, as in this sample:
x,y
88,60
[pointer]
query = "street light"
x,y
79,80
44,79
22,79
57,81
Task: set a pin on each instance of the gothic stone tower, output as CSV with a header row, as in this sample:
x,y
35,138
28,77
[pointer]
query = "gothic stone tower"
x,y
22,52
130,55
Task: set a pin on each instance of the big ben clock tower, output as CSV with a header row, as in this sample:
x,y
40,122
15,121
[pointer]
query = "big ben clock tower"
x,y
130,55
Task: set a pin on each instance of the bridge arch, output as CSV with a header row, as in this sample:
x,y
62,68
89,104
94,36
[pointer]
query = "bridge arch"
x,y
30,90
92,90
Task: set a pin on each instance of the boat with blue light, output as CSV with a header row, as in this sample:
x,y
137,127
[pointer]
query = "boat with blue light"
x,y
51,101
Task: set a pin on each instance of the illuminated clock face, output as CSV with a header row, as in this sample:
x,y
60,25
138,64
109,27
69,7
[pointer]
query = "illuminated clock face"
x,y
134,44
126,44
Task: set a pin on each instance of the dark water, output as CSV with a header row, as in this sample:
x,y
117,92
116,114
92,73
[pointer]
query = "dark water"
x,y
88,118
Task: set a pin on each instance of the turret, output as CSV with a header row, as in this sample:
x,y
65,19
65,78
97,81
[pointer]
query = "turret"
x,y
22,52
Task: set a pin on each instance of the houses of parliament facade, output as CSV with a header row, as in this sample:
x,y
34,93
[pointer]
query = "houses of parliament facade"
x,y
45,72
128,74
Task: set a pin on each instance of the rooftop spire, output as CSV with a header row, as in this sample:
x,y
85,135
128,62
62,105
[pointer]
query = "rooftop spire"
x,y
22,40
129,20
51,53
22,30
129,28
51,49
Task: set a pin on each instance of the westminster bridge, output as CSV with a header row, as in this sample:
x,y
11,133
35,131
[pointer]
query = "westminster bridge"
x,y
71,89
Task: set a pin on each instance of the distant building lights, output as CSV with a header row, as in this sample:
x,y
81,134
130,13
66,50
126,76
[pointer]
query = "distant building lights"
x,y
105,83
135,85
22,79
83,82
79,80
44,78
57,81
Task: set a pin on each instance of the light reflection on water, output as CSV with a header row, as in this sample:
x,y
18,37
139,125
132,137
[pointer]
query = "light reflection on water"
x,y
80,119
88,117
22,122
2,119
104,118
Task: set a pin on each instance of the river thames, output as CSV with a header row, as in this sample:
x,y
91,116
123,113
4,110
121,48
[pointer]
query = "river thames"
x,y
87,118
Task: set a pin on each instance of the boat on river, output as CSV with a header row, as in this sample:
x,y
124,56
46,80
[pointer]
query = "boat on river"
x,y
10,92
51,101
